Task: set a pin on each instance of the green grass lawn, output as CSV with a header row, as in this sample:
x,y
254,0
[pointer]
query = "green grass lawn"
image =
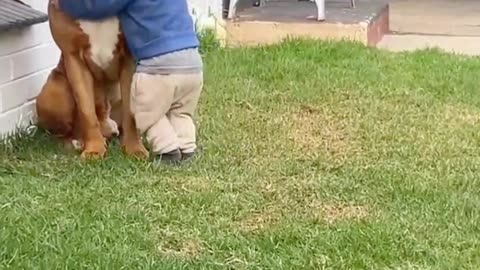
x,y
314,156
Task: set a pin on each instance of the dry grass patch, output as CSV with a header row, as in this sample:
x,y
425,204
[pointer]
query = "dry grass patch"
x,y
259,220
331,212
188,249
337,212
177,243
461,115
189,183
321,131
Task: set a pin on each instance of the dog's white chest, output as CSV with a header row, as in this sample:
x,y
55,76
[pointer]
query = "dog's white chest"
x,y
103,36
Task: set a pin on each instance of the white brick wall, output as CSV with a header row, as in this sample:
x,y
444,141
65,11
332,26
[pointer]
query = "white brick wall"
x,y
26,57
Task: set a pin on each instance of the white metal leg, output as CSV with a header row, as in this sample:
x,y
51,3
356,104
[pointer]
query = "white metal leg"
x,y
320,9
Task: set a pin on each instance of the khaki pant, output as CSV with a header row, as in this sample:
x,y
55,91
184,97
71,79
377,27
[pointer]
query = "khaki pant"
x,y
163,107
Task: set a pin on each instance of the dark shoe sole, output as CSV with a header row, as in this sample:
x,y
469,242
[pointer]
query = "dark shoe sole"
x,y
172,157
188,156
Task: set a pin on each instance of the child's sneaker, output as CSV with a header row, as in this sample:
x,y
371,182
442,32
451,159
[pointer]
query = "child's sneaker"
x,y
188,156
172,157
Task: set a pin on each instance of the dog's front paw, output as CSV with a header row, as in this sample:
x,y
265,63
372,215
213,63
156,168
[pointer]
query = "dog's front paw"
x,y
135,149
94,150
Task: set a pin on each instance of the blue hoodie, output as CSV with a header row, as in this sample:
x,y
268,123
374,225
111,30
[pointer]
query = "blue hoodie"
x,y
151,27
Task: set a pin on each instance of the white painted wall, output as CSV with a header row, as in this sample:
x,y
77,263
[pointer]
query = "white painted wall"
x,y
206,12
26,57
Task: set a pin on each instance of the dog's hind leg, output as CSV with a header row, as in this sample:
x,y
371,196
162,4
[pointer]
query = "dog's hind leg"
x,y
55,105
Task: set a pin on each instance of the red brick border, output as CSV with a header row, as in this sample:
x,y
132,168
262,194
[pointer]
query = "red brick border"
x,y
378,27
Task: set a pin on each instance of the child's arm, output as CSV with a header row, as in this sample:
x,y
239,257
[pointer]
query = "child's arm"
x,y
92,9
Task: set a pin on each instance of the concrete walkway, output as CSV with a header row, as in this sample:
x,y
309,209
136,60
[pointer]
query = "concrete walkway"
x,y
453,44
452,25
436,17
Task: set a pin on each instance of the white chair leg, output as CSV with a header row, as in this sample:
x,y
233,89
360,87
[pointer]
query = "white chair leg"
x,y
320,9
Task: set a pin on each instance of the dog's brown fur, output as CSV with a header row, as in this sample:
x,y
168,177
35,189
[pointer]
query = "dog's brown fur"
x,y
76,101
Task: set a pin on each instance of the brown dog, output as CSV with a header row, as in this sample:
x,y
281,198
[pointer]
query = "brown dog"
x,y
95,72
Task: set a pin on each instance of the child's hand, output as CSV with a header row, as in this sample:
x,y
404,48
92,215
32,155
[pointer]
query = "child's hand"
x,y
54,3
